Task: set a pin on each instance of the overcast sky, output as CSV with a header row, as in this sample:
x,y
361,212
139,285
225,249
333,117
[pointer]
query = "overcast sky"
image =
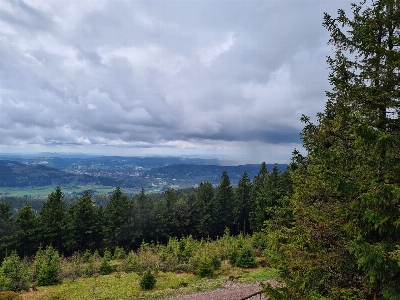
x,y
188,77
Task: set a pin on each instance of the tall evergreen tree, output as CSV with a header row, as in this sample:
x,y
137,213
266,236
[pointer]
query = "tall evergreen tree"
x,y
256,214
52,219
242,204
224,203
204,210
144,216
83,229
347,193
7,229
26,223
167,225
118,220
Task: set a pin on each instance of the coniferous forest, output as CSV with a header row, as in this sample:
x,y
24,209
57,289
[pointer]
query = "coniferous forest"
x,y
329,224
205,212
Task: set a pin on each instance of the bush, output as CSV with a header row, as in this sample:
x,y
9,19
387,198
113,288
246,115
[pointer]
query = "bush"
x,y
87,256
130,264
215,260
245,258
47,266
148,281
10,296
72,268
105,267
260,240
205,268
119,253
14,274
93,264
107,255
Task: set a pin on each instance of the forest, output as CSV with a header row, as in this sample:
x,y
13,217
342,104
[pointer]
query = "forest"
x,y
329,225
126,222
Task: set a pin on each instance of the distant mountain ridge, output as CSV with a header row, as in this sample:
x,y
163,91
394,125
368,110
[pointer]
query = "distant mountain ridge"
x,y
154,174
16,174
211,173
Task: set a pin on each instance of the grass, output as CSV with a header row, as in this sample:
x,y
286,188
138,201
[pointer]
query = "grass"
x,y
125,286
45,191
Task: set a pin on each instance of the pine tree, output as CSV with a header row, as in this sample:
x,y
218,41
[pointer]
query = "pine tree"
x,y
144,215
224,203
167,225
347,194
83,228
52,219
7,229
27,230
204,209
256,214
242,203
118,223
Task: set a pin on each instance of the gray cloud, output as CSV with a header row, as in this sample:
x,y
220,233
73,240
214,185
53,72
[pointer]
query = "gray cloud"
x,y
194,77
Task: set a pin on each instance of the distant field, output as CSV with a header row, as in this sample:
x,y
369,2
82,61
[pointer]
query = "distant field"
x,y
36,193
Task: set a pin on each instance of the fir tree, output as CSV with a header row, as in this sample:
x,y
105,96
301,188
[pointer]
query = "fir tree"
x,y
52,219
347,194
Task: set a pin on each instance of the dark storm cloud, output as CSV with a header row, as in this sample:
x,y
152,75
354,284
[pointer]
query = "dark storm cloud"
x,y
193,75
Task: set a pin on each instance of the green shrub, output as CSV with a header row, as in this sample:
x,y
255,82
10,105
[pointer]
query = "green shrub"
x,y
245,258
205,268
8,295
105,267
119,253
107,255
47,266
148,281
260,240
215,260
14,273
87,256
130,263
93,264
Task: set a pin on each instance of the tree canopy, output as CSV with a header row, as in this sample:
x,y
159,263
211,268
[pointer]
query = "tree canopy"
x,y
347,195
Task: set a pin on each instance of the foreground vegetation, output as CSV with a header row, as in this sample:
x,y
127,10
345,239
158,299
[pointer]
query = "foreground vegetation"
x,y
176,267
126,285
330,223
344,239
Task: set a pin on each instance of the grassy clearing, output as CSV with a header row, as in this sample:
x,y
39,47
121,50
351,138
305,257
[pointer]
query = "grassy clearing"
x,y
125,286
44,192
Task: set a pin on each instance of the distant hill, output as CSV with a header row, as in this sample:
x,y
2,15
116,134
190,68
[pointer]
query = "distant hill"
x,y
15,174
153,174
187,175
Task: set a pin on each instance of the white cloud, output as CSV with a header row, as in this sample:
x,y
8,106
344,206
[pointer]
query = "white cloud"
x,y
208,54
83,140
167,76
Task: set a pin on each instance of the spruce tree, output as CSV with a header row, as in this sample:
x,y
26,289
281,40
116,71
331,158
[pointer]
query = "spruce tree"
x,y
224,204
52,219
242,204
7,230
118,220
256,214
83,229
204,209
144,215
27,230
347,194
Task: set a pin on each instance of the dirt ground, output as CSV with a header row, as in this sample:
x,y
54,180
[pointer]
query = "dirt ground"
x,y
229,291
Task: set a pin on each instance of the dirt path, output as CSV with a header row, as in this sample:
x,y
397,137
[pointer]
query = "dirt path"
x,y
229,291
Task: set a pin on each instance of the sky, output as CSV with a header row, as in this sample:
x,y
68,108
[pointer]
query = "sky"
x,y
219,78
